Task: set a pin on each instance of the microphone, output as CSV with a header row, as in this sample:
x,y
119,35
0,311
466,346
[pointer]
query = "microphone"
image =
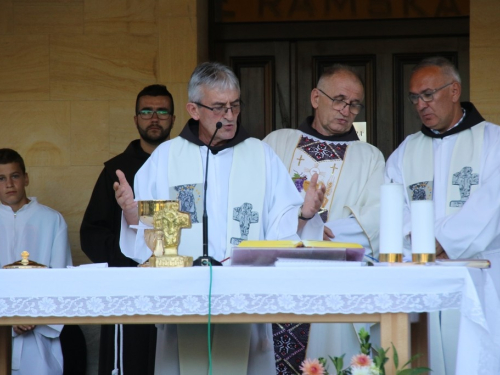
x,y
205,259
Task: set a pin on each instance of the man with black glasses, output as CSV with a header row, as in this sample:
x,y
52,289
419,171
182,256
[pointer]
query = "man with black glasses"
x,y
352,172
453,161
100,229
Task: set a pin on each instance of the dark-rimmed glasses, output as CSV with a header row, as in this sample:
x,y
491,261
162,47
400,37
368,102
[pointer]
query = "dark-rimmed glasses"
x,y
427,95
339,104
220,110
147,114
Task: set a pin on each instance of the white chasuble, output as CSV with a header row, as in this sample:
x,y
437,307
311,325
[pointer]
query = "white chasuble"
x,y
463,177
244,206
352,173
463,170
249,195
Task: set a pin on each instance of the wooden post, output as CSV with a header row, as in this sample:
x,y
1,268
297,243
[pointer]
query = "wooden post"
x,y
5,349
395,329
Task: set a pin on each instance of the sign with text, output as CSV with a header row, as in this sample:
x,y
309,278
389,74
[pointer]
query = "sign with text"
x,y
360,130
323,10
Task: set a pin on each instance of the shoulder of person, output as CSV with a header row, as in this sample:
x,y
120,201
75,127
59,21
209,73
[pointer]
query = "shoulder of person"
x,y
493,128
409,138
123,158
48,212
359,146
280,133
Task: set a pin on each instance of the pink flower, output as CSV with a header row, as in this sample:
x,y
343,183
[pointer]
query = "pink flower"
x,y
361,360
312,367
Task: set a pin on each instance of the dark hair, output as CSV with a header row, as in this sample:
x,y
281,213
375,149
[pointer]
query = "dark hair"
x,y
154,90
446,66
339,68
8,156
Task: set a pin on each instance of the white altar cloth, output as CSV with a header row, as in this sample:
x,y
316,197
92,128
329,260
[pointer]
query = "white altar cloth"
x,y
91,292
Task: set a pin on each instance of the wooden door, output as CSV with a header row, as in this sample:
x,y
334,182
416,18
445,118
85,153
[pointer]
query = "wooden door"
x,y
277,77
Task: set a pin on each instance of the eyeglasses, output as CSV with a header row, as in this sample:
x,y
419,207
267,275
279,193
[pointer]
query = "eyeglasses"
x,y
147,114
426,96
339,104
220,110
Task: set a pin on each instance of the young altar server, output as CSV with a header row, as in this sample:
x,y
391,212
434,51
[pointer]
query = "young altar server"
x,y
244,174
26,225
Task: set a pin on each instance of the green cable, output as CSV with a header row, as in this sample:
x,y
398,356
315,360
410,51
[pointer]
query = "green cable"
x,y
209,319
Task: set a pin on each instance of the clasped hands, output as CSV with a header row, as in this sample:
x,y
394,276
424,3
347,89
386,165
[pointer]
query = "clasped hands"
x,y
20,329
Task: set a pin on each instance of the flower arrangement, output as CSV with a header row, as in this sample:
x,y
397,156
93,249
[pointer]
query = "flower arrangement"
x,y
362,364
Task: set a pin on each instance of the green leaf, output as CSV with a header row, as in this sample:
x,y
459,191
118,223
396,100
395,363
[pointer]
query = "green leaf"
x,y
338,362
395,356
414,371
420,370
411,360
404,372
364,335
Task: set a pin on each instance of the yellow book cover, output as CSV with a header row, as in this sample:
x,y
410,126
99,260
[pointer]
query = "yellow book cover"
x,y
332,244
271,244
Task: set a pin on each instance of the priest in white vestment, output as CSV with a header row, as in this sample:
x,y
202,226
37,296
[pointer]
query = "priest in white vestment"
x,y
455,162
352,172
26,225
244,174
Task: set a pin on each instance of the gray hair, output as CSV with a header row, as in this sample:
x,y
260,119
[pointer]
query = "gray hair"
x,y
337,69
211,75
446,66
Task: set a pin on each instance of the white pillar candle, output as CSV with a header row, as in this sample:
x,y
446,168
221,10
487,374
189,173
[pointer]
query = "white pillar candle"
x,y
422,227
391,219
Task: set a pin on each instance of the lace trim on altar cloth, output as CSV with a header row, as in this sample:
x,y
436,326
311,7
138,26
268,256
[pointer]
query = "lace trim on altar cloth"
x,y
231,304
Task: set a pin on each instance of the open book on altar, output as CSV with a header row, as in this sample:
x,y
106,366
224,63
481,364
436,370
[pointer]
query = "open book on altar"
x,y
267,253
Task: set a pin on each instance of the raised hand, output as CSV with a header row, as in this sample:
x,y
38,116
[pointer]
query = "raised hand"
x,y
314,197
125,199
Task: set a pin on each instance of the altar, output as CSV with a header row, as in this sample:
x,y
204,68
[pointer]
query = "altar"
x,y
261,294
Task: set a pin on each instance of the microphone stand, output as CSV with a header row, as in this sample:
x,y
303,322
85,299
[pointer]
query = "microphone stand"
x,y
205,259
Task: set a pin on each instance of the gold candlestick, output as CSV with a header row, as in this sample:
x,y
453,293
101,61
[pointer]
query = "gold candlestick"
x,y
391,257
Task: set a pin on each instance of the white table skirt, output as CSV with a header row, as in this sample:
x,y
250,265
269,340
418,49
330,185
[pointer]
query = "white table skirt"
x,y
91,292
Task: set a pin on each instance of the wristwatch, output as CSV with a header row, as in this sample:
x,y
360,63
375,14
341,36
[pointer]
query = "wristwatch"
x,y
302,217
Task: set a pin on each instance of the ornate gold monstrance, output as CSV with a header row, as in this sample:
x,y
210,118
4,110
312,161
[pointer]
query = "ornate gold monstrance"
x,y
164,239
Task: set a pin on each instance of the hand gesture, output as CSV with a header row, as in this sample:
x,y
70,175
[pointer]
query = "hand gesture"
x,y
327,234
314,197
125,198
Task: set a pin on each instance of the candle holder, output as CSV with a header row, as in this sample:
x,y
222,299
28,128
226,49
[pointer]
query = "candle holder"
x,y
391,257
422,258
